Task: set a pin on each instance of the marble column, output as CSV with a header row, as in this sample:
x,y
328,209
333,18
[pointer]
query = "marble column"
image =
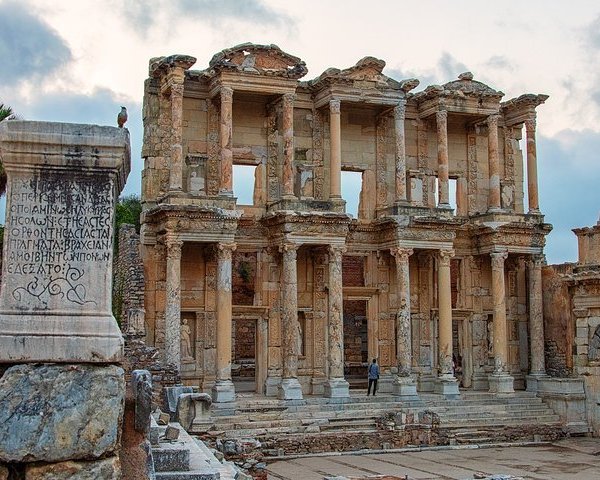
x,y
335,156
173,302
404,384
532,181
441,117
176,167
336,386
225,139
290,388
500,380
399,115
288,145
494,204
223,390
536,322
446,383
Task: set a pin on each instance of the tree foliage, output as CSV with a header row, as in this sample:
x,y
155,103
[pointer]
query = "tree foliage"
x,y
128,210
6,113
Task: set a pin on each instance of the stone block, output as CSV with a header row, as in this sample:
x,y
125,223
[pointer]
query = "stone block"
x,y
53,413
105,469
193,408
171,433
62,185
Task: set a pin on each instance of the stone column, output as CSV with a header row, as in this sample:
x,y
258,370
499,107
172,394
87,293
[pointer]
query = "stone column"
x,y
176,168
399,114
536,322
500,380
336,385
290,388
226,132
404,384
335,156
446,384
442,141
223,390
173,302
288,145
532,182
494,204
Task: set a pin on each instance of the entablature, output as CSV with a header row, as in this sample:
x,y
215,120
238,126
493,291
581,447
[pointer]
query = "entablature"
x,y
307,228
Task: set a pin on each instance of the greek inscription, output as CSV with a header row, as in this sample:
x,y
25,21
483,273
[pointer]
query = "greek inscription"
x,y
57,229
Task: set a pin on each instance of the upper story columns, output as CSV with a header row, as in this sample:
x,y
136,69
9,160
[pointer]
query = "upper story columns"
x,y
494,164
288,144
226,141
441,118
335,155
399,115
532,181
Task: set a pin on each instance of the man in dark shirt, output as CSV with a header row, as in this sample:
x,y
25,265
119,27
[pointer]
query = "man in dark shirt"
x,y
373,376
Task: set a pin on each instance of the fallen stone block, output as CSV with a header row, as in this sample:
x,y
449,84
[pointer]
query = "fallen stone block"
x,y
171,433
105,469
53,413
163,418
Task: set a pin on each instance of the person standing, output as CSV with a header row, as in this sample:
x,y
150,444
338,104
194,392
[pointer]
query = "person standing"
x,y
373,376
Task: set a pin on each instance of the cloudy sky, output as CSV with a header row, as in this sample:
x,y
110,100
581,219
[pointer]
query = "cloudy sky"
x,y
80,60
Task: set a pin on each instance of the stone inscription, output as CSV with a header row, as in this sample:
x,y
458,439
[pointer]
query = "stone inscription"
x,y
59,241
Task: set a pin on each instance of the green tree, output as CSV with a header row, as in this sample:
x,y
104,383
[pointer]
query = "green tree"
x,y
6,113
128,210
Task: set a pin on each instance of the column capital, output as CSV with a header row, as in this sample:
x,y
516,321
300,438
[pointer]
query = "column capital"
x,y
336,252
289,248
173,245
441,115
537,260
401,254
400,109
498,259
335,105
288,97
445,255
226,94
176,89
225,250
492,120
531,123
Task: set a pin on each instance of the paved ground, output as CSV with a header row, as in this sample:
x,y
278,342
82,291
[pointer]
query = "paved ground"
x,y
572,459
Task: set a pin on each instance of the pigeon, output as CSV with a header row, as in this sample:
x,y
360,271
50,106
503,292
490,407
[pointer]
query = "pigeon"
x,y
122,117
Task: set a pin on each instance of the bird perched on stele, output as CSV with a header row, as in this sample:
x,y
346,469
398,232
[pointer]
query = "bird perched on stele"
x,y
122,117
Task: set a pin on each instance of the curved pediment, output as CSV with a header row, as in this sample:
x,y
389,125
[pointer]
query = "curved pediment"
x,y
368,70
253,59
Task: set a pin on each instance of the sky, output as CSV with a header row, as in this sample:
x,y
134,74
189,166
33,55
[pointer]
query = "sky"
x,y
80,60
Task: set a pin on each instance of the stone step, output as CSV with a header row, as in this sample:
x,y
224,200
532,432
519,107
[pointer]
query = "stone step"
x,y
498,414
484,422
186,476
171,457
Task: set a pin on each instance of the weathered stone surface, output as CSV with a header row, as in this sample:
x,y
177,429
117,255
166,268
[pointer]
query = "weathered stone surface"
x,y
105,469
141,386
3,472
63,181
57,412
193,406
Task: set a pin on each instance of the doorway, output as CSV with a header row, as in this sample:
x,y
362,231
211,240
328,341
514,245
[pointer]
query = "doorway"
x,y
462,351
243,354
356,347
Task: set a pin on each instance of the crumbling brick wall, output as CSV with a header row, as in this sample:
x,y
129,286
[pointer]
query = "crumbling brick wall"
x,y
128,290
558,320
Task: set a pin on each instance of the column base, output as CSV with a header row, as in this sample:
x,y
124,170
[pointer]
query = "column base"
x,y
289,389
532,381
405,388
447,386
501,383
272,386
223,391
337,388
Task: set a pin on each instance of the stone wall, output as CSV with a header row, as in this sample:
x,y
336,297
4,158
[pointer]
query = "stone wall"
x,y
558,320
128,282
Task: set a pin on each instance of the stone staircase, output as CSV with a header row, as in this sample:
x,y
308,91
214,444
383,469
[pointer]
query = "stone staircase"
x,y
474,418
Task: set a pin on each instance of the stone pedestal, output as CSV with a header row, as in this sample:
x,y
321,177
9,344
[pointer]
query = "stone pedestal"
x,y
223,391
501,383
566,396
533,381
63,182
405,388
289,389
336,388
447,385
61,418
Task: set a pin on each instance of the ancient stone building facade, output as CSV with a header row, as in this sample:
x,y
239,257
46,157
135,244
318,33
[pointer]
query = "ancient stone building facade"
x,y
296,291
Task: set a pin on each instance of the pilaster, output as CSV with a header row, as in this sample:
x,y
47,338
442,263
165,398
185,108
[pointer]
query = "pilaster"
x,y
335,156
441,117
225,138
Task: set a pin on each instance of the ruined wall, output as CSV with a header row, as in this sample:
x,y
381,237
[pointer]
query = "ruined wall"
x,y
558,320
128,282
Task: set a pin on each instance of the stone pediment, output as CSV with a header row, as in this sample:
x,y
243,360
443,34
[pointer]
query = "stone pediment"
x,y
253,59
465,86
367,73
